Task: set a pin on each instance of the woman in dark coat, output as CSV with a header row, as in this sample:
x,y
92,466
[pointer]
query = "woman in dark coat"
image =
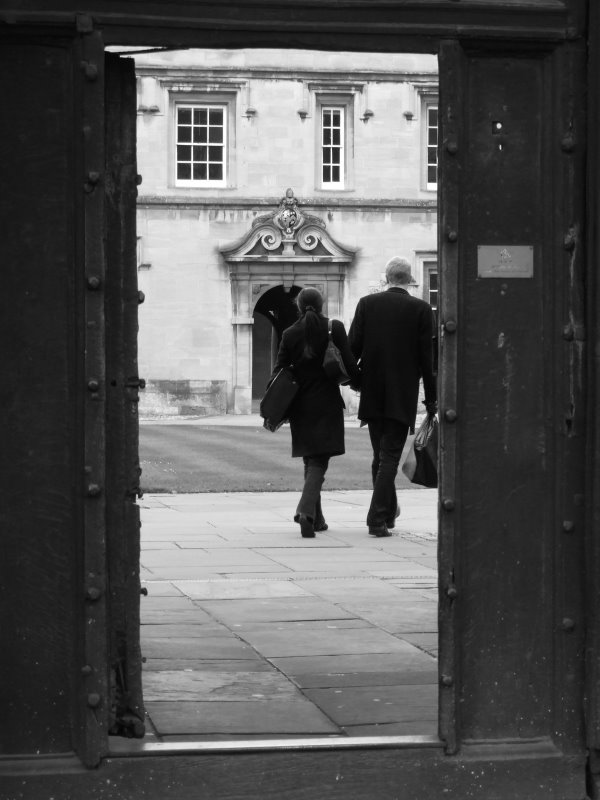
x,y
317,413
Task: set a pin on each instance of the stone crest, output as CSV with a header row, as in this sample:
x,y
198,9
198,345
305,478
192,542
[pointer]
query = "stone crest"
x,y
290,224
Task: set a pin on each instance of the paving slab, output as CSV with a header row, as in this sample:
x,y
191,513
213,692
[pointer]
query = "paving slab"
x,y
428,642
277,641
342,589
169,664
236,612
298,716
251,631
159,545
231,589
160,588
204,647
232,736
417,727
425,676
328,670
299,627
401,616
211,686
203,557
359,705
259,539
208,571
176,616
339,556
178,630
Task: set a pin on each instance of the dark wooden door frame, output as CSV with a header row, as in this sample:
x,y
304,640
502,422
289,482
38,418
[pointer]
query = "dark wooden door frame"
x,y
387,26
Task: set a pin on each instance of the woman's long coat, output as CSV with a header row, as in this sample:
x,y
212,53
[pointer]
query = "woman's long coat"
x,y
317,413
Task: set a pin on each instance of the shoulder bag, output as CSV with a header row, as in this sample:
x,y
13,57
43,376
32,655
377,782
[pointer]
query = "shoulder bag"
x,y
278,398
333,363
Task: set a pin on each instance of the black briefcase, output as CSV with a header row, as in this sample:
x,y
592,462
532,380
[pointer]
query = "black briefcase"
x,y
278,398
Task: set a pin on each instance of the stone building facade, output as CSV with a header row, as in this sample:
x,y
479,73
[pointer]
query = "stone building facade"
x,y
265,171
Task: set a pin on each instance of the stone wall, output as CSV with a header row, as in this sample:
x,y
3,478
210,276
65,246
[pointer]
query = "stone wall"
x,y
187,338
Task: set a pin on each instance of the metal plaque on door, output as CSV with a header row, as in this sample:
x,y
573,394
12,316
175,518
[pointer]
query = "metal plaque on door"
x,y
504,261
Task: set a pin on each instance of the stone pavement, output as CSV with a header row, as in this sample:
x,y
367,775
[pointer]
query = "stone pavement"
x,y
250,631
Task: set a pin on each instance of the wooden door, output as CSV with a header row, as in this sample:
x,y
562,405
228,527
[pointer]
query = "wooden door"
x,y
512,412
70,526
512,403
41,481
122,384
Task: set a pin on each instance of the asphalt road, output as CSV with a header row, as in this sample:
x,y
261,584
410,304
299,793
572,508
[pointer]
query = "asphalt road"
x,y
190,458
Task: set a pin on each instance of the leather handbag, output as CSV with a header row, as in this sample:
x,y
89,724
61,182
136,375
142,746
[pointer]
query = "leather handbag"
x,y
333,363
278,398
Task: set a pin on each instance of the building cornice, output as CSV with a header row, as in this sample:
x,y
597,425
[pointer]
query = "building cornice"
x,y
169,74
176,201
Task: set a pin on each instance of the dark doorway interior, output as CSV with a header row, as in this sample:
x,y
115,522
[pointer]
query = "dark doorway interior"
x,y
274,312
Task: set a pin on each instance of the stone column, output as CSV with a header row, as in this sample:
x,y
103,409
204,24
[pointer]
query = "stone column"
x,y
242,365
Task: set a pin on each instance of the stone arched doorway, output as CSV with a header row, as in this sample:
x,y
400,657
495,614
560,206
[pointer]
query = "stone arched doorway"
x,y
283,251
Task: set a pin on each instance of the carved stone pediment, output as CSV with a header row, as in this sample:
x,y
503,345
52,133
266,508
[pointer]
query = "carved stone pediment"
x,y
288,234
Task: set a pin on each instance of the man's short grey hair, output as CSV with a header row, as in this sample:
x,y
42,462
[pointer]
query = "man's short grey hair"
x,y
398,271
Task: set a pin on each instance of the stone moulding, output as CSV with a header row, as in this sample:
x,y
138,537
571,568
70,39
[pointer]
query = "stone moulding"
x,y
287,234
179,201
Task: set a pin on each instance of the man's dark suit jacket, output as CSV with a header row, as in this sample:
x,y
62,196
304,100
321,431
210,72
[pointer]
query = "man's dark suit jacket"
x,y
392,338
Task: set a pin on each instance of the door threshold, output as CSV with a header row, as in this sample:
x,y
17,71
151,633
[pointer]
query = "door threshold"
x,y
125,747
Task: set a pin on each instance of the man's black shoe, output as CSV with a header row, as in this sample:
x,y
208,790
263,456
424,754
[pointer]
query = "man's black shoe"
x,y
379,530
321,526
391,523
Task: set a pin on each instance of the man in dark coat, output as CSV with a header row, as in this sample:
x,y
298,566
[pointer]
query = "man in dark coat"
x,y
391,337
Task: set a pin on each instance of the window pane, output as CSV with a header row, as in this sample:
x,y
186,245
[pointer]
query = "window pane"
x,y
215,134
332,137
431,282
206,126
432,145
215,172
